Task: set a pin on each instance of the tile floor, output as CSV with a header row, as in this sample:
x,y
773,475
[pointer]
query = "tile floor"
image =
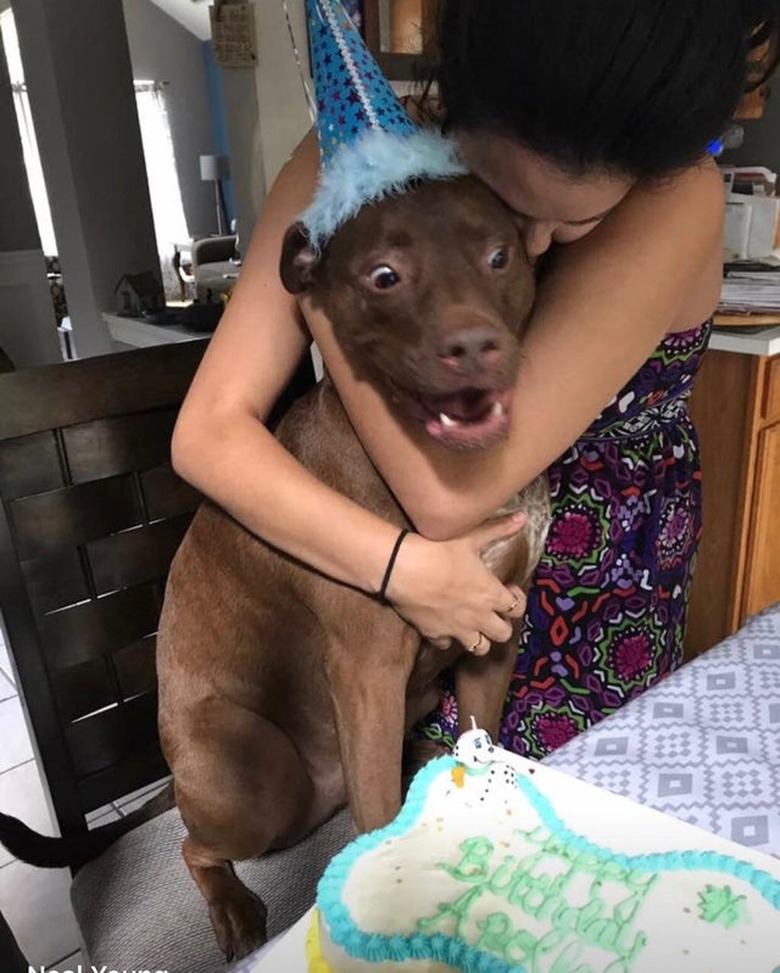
x,y
34,901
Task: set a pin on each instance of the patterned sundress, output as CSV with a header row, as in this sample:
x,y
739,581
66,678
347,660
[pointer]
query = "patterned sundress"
x,y
608,603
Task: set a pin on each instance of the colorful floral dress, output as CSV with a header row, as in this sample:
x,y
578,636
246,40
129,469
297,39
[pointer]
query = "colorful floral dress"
x,y
608,604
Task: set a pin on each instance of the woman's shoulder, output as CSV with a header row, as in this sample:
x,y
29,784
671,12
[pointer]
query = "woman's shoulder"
x,y
681,218
698,187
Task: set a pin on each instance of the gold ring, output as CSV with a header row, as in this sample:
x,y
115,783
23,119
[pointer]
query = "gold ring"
x,y
512,607
476,645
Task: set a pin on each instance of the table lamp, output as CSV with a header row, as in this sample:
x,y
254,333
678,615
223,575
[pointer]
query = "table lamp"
x,y
216,168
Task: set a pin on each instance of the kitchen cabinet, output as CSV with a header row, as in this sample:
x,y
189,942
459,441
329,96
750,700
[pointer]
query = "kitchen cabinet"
x,y
736,410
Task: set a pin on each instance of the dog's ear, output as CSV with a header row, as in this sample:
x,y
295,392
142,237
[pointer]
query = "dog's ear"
x,y
299,260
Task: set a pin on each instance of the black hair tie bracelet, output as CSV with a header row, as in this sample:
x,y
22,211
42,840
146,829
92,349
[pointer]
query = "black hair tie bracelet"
x,y
381,595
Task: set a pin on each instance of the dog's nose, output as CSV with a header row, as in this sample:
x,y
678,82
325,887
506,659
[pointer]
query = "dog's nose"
x,y
469,350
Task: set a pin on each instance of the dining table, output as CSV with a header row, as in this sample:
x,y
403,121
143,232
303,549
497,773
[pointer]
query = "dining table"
x,y
702,745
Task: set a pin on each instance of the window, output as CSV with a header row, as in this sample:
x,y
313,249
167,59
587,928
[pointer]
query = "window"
x,y
164,190
170,224
32,158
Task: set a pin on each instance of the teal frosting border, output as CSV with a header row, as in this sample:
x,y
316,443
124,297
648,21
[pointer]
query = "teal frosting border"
x,y
378,948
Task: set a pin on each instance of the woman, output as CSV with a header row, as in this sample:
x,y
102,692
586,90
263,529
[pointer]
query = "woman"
x,y
592,122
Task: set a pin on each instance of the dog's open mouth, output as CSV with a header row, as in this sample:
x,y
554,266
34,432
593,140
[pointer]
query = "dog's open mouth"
x,y
469,419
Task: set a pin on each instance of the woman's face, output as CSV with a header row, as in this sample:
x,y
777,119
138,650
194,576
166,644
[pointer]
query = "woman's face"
x,y
551,205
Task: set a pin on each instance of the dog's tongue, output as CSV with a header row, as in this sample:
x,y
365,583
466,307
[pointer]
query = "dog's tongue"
x,y
467,404
469,419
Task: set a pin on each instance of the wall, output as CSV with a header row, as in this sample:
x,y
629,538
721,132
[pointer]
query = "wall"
x,y
267,110
219,125
266,107
284,114
28,332
163,50
79,77
246,164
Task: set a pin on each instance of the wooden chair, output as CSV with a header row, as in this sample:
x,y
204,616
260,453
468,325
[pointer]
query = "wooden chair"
x,y
91,514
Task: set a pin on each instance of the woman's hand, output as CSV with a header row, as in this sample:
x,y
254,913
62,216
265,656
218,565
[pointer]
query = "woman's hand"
x,y
446,592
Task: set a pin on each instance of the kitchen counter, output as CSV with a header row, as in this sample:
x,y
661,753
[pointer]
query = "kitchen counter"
x,y
761,340
141,334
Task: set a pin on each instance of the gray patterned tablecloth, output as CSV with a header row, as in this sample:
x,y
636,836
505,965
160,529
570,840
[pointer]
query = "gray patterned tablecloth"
x,y
703,745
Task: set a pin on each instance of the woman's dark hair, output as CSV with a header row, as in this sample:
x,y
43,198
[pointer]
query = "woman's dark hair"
x,y
639,87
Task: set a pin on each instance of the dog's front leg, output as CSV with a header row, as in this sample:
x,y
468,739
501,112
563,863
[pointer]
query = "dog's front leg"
x,y
481,684
369,696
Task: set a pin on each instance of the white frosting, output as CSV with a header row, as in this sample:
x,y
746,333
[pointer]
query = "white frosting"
x,y
634,921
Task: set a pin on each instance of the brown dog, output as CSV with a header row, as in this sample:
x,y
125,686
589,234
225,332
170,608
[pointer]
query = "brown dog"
x,y
284,695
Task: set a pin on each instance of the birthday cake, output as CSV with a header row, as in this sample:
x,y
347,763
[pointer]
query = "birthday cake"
x,y
499,865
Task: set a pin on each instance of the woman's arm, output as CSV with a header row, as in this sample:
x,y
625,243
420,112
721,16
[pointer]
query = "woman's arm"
x,y
222,447
652,266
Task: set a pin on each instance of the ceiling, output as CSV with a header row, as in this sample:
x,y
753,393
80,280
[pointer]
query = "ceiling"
x,y
192,14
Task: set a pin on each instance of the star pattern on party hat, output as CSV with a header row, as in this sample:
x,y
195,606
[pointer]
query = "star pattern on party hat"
x,y
352,94
369,147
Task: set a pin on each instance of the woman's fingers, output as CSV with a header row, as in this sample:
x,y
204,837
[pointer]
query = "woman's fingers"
x,y
479,645
445,591
516,607
496,530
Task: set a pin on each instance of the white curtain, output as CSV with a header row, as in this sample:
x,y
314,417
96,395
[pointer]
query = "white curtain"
x,y
170,224
32,158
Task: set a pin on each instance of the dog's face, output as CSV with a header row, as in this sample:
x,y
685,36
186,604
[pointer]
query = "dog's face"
x,y
428,293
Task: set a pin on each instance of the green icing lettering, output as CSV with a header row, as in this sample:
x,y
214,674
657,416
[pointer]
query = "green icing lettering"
x,y
502,878
496,931
473,867
520,947
720,906
567,962
451,917
539,885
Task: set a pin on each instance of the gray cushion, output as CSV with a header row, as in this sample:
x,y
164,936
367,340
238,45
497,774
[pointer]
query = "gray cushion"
x,y
138,908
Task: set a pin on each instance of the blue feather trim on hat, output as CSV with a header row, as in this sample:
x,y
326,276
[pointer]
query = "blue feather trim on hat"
x,y
377,164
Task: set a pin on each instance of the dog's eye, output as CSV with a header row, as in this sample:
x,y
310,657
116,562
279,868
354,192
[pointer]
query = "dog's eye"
x,y
499,258
384,277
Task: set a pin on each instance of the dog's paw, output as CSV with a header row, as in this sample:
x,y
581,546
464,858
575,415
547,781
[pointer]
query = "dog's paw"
x,y
239,922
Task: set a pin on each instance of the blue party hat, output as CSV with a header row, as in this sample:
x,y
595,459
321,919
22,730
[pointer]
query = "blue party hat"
x,y
369,147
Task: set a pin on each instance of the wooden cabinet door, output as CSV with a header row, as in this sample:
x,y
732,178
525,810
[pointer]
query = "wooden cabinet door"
x,y
763,577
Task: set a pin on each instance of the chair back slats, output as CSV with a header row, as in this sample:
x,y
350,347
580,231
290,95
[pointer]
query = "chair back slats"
x,y
30,465
165,494
108,447
135,556
135,667
95,628
123,777
31,398
19,623
83,689
54,581
97,742
65,518
91,516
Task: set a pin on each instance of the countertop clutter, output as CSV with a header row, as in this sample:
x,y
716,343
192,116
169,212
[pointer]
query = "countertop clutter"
x,y
748,319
